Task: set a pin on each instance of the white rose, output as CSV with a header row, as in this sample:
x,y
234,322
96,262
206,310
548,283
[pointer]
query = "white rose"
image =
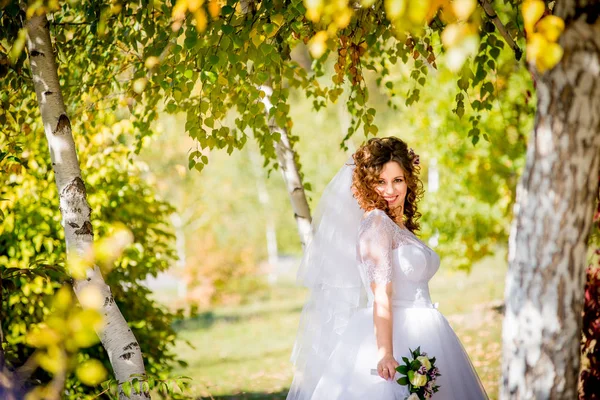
x,y
413,397
424,362
418,380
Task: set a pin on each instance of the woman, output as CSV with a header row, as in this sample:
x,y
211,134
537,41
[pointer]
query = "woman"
x,y
369,301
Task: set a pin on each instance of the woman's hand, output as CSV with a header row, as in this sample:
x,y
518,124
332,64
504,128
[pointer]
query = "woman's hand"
x,y
386,367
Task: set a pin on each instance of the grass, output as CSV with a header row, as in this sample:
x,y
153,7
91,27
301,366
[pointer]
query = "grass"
x,y
243,352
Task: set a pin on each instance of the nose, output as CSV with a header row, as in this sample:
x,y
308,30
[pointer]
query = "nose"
x,y
389,189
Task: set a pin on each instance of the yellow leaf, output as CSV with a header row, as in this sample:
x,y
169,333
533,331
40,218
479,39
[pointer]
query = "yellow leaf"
x,y
90,297
52,361
151,62
532,12
194,5
551,27
342,19
418,10
257,38
317,45
536,43
38,392
139,85
63,299
77,266
452,35
395,8
43,337
201,20
222,80
91,372
214,8
463,8
549,57
83,328
277,19
314,8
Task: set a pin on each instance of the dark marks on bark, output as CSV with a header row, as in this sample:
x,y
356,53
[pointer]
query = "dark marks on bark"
x,y
75,187
35,53
86,229
108,301
73,225
127,356
131,346
561,306
63,126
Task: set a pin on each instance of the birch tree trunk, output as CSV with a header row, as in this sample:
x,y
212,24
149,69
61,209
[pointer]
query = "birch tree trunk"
x,y
116,337
553,217
286,158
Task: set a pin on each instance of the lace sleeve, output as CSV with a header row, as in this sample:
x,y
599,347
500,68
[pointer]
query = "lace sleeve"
x,y
375,247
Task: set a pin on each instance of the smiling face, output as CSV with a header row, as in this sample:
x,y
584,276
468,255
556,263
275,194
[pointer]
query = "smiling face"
x,y
392,184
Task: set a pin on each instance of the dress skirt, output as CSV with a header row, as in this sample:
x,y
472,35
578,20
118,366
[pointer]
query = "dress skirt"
x,y
349,375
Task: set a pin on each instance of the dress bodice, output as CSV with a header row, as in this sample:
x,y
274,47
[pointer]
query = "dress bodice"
x,y
389,253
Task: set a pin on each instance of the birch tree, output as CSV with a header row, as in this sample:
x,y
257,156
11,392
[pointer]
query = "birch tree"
x,y
286,156
553,218
122,347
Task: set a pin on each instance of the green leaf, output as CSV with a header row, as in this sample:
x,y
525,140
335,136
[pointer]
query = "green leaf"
x,y
403,381
126,388
262,77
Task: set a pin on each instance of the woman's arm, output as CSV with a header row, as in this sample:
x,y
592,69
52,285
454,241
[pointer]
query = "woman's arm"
x,y
382,319
375,249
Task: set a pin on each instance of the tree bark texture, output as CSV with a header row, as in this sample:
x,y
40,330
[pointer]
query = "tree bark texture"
x,y
553,218
286,158
116,337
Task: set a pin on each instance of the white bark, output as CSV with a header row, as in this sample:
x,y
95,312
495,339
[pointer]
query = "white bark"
x,y
116,337
553,218
286,159
291,175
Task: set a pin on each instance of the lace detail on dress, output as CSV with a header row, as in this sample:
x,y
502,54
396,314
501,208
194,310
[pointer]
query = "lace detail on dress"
x,y
378,236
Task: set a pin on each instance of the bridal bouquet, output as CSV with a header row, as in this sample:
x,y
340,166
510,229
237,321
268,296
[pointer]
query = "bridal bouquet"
x,y
420,374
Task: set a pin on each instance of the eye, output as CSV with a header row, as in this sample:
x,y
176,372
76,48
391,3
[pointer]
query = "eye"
x,y
399,179
381,182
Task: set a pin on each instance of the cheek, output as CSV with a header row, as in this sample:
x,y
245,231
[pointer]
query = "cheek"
x,y
401,187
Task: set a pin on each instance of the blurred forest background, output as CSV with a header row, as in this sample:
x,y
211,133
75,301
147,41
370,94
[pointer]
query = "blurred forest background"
x,y
218,249
231,214
207,281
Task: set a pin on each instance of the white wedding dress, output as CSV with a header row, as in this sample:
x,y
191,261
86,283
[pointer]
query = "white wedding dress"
x,y
388,253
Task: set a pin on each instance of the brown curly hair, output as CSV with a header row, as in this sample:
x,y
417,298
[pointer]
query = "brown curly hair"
x,y
369,160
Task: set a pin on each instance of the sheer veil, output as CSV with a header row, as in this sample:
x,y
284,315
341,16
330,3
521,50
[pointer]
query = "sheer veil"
x,y
330,270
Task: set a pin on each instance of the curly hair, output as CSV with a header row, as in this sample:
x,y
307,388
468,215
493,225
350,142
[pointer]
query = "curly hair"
x,y
369,160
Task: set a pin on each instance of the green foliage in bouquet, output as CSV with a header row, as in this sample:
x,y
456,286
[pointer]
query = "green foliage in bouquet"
x,y
419,374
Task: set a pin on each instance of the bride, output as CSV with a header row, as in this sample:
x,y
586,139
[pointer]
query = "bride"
x,y
368,277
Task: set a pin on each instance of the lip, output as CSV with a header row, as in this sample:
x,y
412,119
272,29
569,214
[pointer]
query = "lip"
x,y
390,199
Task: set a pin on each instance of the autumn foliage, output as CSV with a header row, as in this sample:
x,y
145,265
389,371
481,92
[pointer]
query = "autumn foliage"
x,y
590,345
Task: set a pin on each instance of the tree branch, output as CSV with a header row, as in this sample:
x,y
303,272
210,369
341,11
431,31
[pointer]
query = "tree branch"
x,y
491,13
